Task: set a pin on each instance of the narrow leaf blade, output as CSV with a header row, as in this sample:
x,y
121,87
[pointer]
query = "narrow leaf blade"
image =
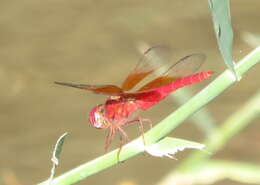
x,y
220,10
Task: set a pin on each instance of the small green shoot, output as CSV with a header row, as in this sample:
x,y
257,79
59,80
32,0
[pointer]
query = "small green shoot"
x,y
56,155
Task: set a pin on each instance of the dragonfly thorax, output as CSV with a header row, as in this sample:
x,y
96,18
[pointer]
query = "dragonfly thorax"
x,y
96,117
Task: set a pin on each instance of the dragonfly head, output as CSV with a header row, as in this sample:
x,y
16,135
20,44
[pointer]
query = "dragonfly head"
x,y
96,117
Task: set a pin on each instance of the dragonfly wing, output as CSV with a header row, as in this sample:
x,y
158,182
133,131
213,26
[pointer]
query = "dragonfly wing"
x,y
185,66
157,82
149,62
179,73
103,89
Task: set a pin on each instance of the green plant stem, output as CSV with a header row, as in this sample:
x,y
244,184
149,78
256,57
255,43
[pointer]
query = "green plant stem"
x,y
200,117
237,171
216,87
213,171
183,95
230,127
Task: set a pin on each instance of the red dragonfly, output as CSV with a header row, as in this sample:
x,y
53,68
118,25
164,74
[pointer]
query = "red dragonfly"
x,y
120,104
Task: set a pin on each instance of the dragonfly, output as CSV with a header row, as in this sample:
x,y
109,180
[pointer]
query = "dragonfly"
x,y
121,103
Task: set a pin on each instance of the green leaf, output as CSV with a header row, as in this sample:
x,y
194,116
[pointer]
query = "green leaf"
x,y
57,149
169,146
220,10
56,155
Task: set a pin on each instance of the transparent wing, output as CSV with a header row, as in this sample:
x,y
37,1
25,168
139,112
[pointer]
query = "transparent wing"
x,y
183,67
186,65
151,60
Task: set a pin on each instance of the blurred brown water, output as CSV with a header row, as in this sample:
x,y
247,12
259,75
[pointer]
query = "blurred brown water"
x,y
95,42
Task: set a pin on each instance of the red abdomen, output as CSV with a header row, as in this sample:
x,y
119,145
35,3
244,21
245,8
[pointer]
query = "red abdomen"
x,y
163,91
190,80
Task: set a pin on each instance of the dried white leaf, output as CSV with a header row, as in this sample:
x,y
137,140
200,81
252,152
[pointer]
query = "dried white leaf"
x,y
170,146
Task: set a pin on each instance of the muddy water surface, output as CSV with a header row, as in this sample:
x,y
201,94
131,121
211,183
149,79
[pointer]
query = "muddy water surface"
x,y
95,42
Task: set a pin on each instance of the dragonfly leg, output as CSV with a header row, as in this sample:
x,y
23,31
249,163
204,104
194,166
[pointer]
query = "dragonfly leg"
x,y
123,139
138,119
110,137
141,129
141,126
148,121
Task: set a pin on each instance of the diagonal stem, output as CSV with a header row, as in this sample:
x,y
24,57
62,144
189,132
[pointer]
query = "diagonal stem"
x,y
216,87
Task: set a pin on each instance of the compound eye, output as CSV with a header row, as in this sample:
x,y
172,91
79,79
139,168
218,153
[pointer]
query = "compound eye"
x,y
96,117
